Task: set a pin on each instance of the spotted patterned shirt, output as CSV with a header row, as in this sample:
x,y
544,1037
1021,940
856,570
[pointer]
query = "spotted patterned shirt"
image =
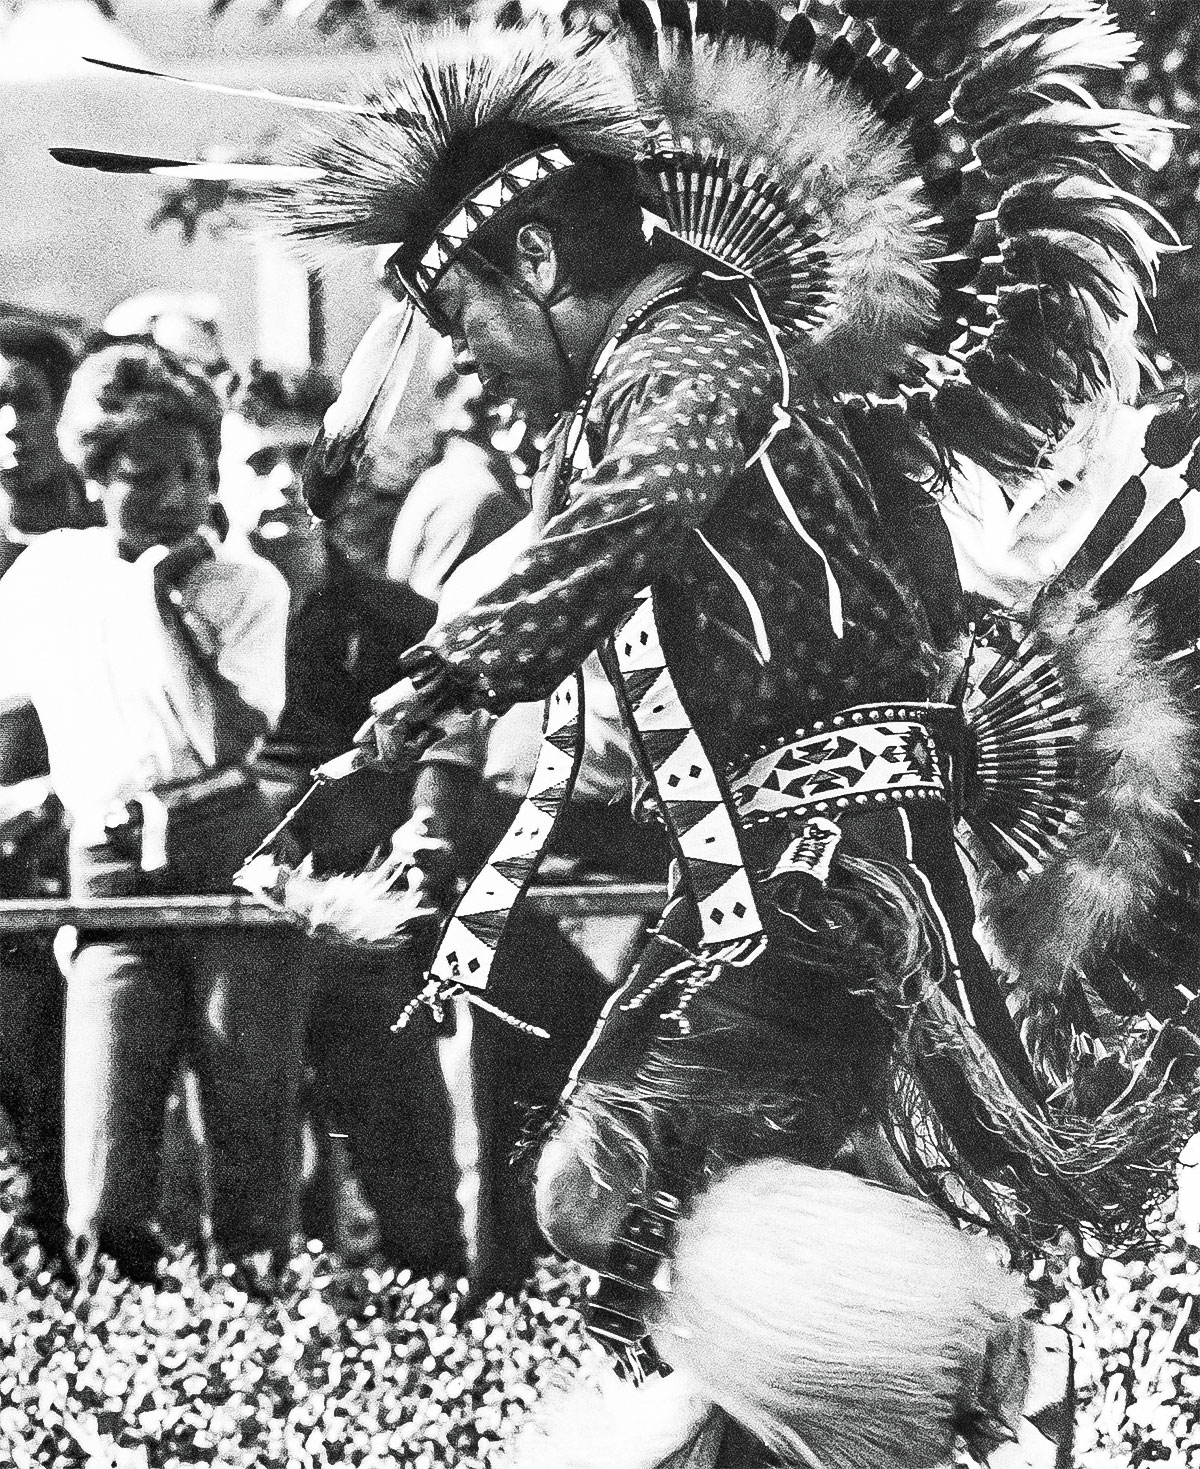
x,y
747,586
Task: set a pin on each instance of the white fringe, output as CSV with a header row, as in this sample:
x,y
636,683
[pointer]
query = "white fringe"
x,y
603,1422
842,1324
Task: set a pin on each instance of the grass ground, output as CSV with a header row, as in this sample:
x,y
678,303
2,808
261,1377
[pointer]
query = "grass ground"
x,y
369,1369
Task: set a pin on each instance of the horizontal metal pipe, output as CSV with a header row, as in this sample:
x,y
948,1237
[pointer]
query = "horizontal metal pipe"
x,y
35,915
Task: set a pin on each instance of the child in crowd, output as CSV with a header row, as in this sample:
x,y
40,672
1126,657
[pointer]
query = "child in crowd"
x,y
155,662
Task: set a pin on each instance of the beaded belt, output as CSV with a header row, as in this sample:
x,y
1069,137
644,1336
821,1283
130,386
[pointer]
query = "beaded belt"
x,y
867,755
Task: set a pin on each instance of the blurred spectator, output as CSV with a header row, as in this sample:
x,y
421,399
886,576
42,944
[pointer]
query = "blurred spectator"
x,y
38,493
264,441
155,662
382,1092
186,326
556,974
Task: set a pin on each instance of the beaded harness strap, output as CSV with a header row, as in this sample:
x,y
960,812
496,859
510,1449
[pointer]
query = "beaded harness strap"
x,y
469,942
694,801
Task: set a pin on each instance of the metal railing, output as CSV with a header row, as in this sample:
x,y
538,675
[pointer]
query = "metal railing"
x,y
37,915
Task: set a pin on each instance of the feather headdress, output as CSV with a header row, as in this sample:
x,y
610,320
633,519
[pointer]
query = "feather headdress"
x,y
930,210
778,172
969,249
464,122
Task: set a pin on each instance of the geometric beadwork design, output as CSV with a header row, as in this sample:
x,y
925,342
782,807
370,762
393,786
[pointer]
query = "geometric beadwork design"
x,y
689,793
419,278
871,754
474,931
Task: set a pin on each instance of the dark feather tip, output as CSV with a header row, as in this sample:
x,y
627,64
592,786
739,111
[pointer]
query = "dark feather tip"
x,y
137,71
111,162
799,40
752,20
1120,516
636,15
1157,540
710,17
678,18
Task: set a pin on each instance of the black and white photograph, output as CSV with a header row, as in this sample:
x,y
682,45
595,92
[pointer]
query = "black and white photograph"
x,y
599,734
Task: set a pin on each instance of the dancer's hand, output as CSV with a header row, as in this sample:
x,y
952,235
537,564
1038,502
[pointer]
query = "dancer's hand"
x,y
399,730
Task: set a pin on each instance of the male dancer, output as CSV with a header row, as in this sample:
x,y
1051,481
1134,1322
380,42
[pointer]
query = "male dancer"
x,y
736,408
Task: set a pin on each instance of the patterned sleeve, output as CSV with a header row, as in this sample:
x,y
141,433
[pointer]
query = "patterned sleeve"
x,y
671,448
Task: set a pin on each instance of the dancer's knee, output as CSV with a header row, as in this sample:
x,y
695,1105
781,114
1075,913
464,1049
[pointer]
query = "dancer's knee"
x,y
580,1207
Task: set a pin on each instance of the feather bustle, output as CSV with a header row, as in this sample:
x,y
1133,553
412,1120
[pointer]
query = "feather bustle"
x,y
1138,762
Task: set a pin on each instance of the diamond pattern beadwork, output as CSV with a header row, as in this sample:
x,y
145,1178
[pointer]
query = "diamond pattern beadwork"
x,y
687,784
870,758
474,932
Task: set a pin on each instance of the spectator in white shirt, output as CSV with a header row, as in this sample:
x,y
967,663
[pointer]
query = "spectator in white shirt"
x,y
155,663
38,493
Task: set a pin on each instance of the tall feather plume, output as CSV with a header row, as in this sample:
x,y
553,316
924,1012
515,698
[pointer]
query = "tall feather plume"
x,y
249,175
254,177
1087,247
254,94
473,99
1010,76
1052,138
942,36
1107,217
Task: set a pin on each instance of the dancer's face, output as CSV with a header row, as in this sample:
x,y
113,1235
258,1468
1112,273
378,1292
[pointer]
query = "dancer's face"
x,y
504,335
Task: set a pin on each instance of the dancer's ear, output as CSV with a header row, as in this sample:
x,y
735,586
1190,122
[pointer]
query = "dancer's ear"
x,y
536,261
